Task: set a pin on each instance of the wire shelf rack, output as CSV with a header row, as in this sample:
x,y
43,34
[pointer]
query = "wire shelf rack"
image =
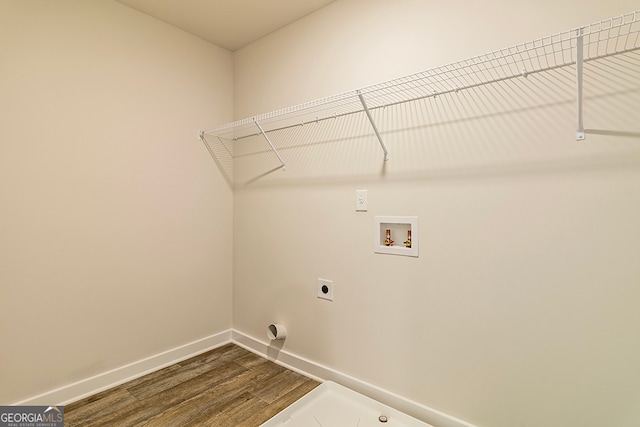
x,y
603,39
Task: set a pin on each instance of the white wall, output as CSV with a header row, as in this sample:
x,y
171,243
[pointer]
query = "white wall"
x,y
522,307
115,229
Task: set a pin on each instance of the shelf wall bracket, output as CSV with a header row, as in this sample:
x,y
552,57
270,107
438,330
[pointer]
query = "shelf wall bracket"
x,y
580,134
373,124
204,141
284,166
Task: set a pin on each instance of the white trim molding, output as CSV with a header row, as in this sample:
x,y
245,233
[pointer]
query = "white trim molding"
x,y
106,380
98,383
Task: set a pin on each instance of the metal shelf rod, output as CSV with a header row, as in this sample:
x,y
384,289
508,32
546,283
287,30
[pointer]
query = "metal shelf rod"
x,y
414,99
431,95
614,36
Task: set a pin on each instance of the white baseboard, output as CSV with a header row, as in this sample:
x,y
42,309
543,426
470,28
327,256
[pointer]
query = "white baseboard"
x,y
89,386
322,373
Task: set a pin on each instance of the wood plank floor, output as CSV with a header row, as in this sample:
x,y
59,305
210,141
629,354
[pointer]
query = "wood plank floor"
x,y
227,386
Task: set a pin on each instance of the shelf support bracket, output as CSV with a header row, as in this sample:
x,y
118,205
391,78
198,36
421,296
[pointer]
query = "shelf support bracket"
x,y
284,166
580,134
373,124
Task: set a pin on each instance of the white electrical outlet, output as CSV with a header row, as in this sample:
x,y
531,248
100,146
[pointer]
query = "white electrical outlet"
x,y
325,289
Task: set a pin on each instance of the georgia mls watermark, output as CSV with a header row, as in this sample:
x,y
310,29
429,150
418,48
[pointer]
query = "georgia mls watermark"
x,y
31,416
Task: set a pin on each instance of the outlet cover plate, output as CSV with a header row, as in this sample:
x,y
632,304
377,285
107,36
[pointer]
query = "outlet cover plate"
x,y
325,289
361,200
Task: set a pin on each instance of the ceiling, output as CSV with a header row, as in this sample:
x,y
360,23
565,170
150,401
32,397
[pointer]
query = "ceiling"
x,y
231,24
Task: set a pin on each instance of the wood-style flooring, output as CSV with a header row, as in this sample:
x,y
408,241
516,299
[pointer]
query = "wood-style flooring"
x,y
227,386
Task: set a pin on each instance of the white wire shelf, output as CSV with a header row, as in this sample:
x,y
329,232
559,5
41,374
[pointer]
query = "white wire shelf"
x,y
615,36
